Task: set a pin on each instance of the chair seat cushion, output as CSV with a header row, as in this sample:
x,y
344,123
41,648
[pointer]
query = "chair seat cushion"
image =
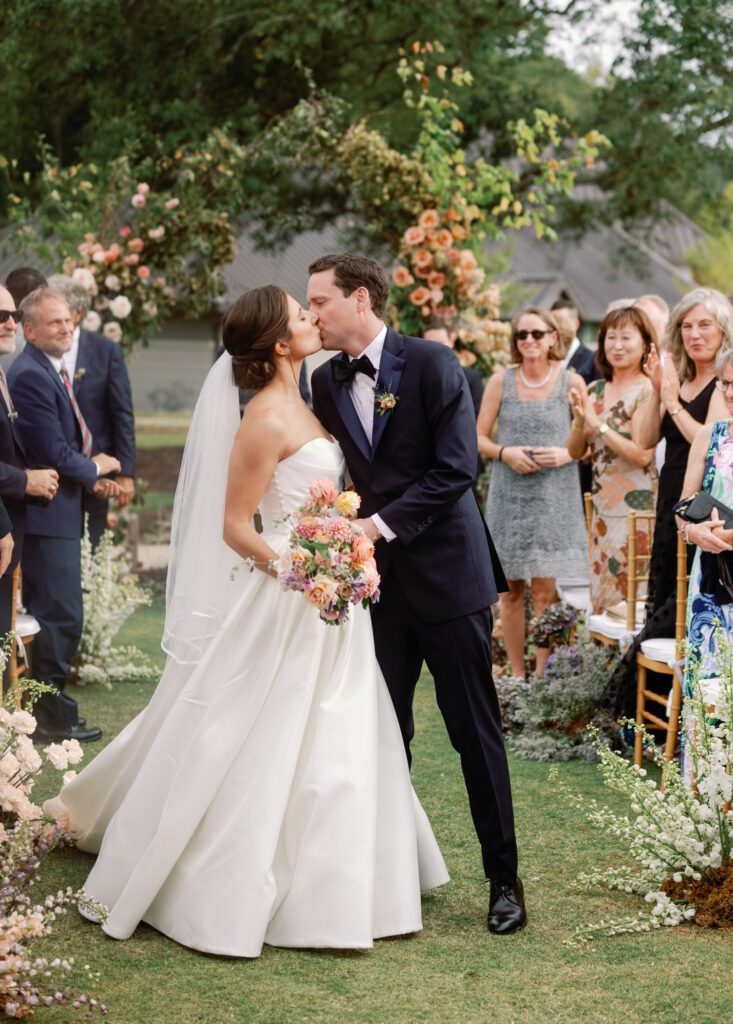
x,y
26,625
662,649
614,629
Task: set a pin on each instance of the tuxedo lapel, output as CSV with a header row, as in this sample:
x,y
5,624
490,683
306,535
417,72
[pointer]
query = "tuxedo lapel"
x,y
388,382
349,415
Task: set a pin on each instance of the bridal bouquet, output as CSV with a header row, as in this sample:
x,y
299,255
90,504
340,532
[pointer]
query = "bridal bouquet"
x,y
329,560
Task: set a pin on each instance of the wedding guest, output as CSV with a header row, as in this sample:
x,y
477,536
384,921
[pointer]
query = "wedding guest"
x,y
17,483
709,603
577,357
56,435
657,312
683,398
534,507
20,282
101,384
438,330
624,475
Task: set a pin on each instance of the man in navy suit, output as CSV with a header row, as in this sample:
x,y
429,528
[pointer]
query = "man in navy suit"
x,y
17,484
401,410
101,385
55,435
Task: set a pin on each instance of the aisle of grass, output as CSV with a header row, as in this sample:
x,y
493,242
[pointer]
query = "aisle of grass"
x,y
453,972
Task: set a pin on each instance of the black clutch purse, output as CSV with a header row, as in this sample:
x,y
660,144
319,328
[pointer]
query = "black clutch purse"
x,y
699,509
716,571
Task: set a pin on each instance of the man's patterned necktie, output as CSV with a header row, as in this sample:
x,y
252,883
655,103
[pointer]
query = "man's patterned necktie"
x,y
86,434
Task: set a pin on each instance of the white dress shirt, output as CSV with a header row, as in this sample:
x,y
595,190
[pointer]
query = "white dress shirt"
x,y
70,357
362,395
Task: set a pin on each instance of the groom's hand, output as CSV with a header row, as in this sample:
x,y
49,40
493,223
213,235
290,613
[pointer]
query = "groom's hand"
x,y
370,529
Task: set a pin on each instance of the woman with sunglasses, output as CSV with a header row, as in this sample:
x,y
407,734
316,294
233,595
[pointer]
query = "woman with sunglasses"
x,y
624,473
534,507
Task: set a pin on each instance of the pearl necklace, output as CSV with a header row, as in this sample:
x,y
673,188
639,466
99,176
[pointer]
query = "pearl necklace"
x,y
541,384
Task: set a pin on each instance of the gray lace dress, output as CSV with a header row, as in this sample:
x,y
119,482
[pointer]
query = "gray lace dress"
x,y
537,520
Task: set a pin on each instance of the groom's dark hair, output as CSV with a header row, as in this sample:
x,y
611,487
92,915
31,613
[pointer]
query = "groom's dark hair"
x,y
352,272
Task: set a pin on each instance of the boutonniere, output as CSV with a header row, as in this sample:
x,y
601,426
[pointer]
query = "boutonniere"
x,y
79,375
385,401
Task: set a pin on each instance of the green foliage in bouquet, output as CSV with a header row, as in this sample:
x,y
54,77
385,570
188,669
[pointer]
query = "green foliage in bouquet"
x,y
552,713
554,626
111,594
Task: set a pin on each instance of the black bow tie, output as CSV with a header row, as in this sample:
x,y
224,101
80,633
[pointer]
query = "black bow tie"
x,y
344,371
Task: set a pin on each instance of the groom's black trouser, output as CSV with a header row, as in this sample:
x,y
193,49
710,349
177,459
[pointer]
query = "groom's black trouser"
x,y
458,654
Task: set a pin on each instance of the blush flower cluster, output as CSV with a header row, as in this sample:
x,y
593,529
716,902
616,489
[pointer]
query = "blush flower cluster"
x,y
329,559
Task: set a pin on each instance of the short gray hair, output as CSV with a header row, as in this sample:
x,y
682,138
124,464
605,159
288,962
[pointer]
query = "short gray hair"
x,y
36,298
724,358
720,309
77,297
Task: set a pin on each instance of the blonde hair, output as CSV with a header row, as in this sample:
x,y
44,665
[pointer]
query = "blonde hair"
x,y
654,300
551,322
721,311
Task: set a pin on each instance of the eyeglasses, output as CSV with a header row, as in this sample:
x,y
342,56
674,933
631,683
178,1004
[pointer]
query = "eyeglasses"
x,y
723,385
5,314
537,335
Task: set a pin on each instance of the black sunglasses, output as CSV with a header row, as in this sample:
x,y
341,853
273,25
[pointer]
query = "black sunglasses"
x,y
537,335
5,314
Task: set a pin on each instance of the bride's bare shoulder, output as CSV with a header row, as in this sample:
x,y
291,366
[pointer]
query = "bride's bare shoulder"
x,y
263,426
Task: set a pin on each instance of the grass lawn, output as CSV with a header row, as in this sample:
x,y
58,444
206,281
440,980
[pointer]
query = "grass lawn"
x,y
451,973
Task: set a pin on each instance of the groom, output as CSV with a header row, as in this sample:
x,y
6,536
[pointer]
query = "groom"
x,y
402,413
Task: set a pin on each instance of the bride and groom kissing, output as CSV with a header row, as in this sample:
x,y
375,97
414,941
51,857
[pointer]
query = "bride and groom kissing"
x,y
264,795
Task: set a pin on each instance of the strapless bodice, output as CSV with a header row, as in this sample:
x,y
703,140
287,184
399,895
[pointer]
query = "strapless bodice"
x,y
293,476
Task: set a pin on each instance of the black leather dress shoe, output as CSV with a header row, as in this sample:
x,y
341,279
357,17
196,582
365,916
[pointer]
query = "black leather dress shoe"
x,y
507,912
81,721
82,733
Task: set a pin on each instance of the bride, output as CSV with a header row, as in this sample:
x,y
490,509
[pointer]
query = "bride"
x,y
263,796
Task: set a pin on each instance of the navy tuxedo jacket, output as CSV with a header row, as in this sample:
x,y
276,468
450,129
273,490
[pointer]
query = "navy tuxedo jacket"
x,y
13,481
418,474
52,439
583,361
102,389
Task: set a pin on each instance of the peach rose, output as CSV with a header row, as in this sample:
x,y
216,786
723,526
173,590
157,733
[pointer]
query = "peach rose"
x,y
371,577
132,259
321,591
436,296
414,236
419,296
444,238
112,253
136,245
362,549
436,280
459,232
322,489
143,273
467,259
452,214
422,258
429,219
402,277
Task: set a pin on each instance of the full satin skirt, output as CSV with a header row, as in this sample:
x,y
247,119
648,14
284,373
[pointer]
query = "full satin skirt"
x,y
263,796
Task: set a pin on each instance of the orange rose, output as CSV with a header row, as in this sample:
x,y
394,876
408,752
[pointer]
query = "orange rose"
x,y
362,549
414,236
402,277
429,219
436,280
419,296
452,214
444,238
422,258
459,232
467,259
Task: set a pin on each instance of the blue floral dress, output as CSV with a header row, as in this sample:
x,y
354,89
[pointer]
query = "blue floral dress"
x,y
704,614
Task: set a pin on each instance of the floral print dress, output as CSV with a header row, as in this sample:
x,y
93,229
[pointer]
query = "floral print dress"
x,y
618,488
704,614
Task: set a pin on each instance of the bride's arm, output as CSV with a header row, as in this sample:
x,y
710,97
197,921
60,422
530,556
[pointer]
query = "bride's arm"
x,y
257,449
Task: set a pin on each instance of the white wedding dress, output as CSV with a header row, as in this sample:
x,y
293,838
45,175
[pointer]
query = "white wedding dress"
x,y
263,796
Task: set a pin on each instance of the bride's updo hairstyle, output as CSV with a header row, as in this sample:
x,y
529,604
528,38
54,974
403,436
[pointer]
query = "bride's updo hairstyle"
x,y
251,326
